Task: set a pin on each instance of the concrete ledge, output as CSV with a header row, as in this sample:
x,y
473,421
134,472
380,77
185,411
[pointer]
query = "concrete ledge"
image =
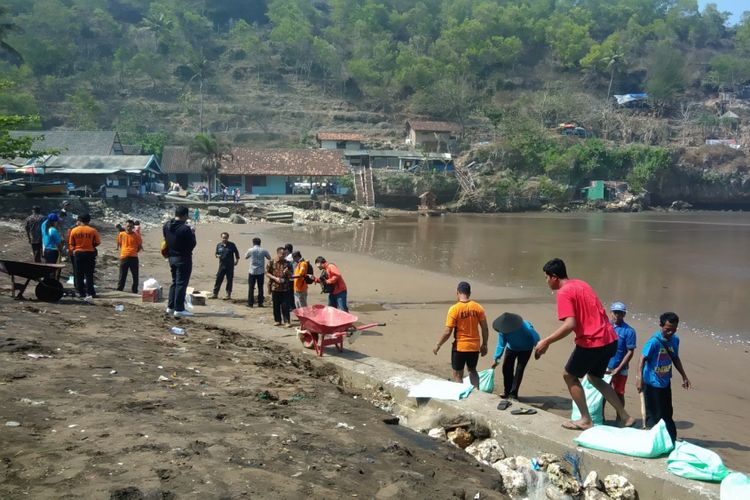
x,y
526,435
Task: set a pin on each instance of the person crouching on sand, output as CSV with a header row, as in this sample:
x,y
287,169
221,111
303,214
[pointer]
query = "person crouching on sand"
x,y
581,311
465,317
517,339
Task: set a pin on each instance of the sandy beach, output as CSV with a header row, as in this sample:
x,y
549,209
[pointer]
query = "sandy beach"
x,y
413,303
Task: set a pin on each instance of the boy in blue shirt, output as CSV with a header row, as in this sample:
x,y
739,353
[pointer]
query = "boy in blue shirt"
x,y
659,354
620,362
517,339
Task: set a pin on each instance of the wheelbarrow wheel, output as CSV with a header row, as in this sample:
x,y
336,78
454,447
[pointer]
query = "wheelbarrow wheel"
x,y
49,290
307,340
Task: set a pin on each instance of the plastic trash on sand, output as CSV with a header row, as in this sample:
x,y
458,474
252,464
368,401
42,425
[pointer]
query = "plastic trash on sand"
x,y
735,486
628,441
486,380
176,330
150,283
119,308
594,400
693,462
440,389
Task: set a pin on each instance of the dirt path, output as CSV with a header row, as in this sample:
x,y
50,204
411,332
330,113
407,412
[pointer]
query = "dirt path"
x,y
123,408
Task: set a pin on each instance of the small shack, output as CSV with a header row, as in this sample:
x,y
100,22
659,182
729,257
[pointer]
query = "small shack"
x,y
430,135
428,204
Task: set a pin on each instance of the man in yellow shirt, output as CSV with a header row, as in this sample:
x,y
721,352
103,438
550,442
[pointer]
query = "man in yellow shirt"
x,y
129,243
464,319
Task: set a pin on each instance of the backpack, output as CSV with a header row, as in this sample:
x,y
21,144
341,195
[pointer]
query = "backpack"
x,y
309,278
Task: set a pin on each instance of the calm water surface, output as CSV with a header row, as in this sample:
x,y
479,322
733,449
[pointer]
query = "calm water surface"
x,y
695,264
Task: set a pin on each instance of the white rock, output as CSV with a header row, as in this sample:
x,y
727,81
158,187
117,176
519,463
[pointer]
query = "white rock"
x,y
437,433
594,494
563,480
554,493
514,482
487,451
619,488
592,480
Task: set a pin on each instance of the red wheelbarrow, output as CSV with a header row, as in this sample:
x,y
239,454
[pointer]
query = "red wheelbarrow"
x,y
321,326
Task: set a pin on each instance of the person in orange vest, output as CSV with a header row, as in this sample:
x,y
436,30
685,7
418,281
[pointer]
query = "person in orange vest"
x,y
82,242
129,243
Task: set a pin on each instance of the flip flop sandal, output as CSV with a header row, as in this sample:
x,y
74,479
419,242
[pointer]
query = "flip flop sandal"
x,y
504,404
523,411
572,426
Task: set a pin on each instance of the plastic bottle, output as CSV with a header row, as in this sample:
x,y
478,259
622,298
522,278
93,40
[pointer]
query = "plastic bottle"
x,y
176,330
119,308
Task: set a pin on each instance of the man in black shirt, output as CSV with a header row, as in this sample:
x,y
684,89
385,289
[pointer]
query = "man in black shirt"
x,y
180,242
228,256
34,232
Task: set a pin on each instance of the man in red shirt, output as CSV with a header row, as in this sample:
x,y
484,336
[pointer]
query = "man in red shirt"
x,y
582,312
333,284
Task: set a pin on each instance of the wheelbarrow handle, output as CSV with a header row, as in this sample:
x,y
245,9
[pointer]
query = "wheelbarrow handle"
x,y
367,327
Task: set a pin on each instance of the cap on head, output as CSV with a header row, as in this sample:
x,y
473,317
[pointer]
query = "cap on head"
x,y
66,203
618,306
464,287
53,217
507,322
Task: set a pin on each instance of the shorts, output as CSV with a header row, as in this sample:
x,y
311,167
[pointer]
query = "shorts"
x,y
618,383
460,359
592,360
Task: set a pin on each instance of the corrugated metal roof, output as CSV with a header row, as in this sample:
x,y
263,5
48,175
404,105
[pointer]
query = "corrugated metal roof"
x,y
75,142
96,164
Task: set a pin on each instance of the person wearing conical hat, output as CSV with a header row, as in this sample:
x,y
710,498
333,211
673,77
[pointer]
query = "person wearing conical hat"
x,y
516,339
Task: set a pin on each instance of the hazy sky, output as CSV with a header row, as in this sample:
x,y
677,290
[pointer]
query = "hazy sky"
x,y
736,7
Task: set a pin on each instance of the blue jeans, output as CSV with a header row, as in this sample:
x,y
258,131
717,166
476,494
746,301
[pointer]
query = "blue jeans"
x,y
338,300
181,268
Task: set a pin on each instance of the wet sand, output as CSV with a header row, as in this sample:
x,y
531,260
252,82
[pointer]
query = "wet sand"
x,y
413,303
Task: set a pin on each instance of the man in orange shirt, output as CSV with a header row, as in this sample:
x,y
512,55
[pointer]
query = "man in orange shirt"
x,y
82,242
129,243
301,271
333,284
463,321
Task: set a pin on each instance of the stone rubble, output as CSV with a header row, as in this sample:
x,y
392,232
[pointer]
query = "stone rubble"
x,y
563,480
487,451
619,488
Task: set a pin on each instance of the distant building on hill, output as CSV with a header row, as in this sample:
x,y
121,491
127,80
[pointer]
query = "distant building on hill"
x,y
430,136
340,140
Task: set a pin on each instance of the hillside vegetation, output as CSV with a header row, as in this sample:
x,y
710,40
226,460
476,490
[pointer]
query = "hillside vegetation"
x,y
272,72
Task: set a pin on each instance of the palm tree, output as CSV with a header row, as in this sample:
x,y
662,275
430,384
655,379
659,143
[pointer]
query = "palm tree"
x,y
612,60
5,29
211,152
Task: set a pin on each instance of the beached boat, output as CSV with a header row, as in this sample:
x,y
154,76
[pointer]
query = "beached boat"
x,y
33,188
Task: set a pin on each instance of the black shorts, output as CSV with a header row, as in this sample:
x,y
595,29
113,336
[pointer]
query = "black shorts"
x,y
591,361
461,359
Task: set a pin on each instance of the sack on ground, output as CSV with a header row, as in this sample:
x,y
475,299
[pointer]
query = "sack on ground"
x,y
693,462
594,400
735,486
628,441
188,302
486,380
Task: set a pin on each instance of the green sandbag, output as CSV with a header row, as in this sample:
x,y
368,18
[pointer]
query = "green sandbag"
x,y
628,441
594,400
736,486
486,380
693,462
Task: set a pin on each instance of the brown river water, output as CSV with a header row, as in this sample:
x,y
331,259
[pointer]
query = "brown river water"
x,y
695,264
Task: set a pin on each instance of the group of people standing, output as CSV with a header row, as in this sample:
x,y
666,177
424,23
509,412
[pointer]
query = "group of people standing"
x,y
603,346
288,273
51,237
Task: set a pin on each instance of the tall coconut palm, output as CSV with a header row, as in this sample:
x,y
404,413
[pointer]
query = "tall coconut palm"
x,y
211,152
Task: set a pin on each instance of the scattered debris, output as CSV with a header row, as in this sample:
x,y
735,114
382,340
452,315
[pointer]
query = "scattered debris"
x,y
12,423
619,488
343,425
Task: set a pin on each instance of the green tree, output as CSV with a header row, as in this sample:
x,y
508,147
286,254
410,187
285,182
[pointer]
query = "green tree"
x,y
211,152
665,74
84,110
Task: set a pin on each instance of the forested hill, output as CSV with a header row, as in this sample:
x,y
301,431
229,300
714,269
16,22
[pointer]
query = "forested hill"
x,y
272,72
